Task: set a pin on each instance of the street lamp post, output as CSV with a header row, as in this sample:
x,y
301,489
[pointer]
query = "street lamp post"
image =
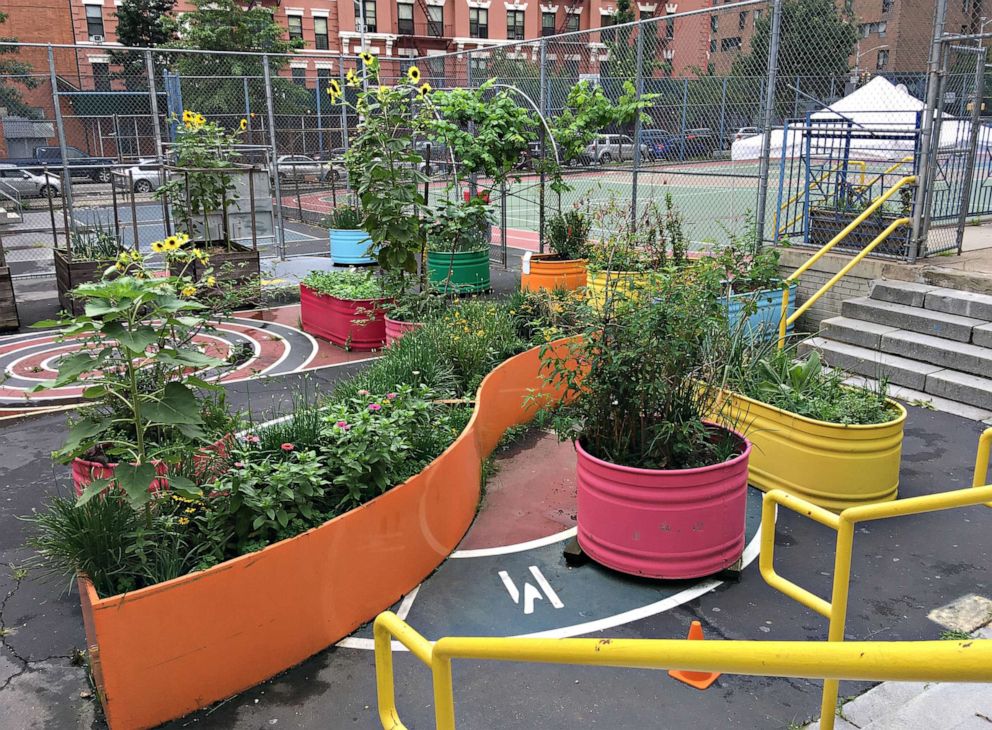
x,y
858,53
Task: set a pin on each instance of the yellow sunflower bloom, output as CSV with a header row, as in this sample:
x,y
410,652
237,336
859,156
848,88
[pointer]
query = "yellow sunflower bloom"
x,y
367,58
352,78
424,90
188,291
158,246
413,74
187,116
243,125
333,89
199,120
183,521
183,238
171,243
382,92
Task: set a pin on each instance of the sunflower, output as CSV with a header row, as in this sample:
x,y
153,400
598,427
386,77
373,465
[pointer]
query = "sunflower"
x,y
333,89
183,238
187,116
158,246
351,77
243,125
367,58
199,120
413,73
382,92
424,90
171,243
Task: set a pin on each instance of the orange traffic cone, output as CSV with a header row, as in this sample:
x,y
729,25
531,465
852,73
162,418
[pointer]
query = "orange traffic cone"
x,y
699,680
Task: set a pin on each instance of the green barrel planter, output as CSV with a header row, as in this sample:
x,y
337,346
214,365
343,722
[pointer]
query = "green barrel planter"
x,y
469,270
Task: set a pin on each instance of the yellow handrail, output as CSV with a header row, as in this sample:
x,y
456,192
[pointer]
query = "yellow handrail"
x,y
843,524
785,319
903,661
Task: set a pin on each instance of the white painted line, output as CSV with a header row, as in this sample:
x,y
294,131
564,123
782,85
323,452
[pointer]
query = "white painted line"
x,y
516,548
511,587
404,608
546,587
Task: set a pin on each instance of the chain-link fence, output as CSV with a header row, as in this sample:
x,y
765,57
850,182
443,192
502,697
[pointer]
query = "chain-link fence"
x,y
761,112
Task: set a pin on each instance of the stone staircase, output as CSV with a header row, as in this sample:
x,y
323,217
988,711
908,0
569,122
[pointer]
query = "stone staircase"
x,y
927,339
8,217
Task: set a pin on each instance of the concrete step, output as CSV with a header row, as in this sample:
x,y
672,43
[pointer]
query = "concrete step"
x,y
871,363
962,387
934,298
855,331
915,319
940,705
900,292
938,351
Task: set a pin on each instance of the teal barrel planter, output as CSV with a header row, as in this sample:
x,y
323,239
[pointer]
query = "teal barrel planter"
x,y
763,321
469,270
349,246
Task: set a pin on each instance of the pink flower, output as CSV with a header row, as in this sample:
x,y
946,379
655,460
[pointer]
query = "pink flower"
x,y
375,407
391,396
363,392
287,447
239,465
343,425
252,438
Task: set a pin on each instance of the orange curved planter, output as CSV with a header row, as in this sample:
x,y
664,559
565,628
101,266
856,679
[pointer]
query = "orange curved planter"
x,y
166,650
548,272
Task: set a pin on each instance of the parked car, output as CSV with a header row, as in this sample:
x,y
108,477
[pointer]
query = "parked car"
x,y
607,148
143,177
440,158
22,182
301,167
656,141
695,143
81,165
745,132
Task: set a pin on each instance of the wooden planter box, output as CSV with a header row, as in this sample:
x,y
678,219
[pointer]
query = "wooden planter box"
x,y
824,224
8,307
237,269
70,274
163,651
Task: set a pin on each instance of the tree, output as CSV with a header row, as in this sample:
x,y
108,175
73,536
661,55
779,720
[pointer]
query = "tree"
x,y
215,83
816,43
17,72
143,24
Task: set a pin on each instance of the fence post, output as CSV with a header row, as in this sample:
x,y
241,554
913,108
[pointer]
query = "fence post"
x,y
769,112
918,235
723,112
344,110
639,87
153,105
543,105
60,127
976,113
682,121
244,85
270,112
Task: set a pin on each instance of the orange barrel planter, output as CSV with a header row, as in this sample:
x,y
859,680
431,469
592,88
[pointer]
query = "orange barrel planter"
x,y
673,524
548,272
163,651
396,329
354,324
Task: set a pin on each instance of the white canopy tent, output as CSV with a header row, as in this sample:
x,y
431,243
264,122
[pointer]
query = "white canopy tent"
x,y
878,121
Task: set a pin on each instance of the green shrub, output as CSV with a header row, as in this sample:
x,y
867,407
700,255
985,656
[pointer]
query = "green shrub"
x,y
350,284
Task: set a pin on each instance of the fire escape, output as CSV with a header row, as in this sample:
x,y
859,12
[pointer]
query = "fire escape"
x,y
423,32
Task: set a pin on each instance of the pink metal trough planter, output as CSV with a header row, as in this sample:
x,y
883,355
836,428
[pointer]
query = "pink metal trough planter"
x,y
672,524
395,329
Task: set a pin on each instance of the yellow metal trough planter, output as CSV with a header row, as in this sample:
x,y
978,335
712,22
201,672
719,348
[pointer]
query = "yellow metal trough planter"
x,y
622,284
830,464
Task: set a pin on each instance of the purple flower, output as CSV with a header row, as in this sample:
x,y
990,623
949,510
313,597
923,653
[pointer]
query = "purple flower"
x,y
391,396
375,407
343,425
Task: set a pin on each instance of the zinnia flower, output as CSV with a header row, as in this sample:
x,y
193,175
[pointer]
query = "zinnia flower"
x,y
287,447
239,465
391,396
413,74
363,392
252,438
343,425
375,407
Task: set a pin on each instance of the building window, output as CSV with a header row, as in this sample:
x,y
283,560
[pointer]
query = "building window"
x,y
670,28
571,69
435,20
101,76
478,23
299,76
882,60
514,25
647,14
435,69
714,23
742,20
94,20
295,25
730,44
887,5
479,68
547,24
369,7
758,14
320,34
571,22
712,45
605,21
404,19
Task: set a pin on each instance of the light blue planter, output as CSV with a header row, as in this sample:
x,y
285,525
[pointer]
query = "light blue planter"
x,y
763,322
349,247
